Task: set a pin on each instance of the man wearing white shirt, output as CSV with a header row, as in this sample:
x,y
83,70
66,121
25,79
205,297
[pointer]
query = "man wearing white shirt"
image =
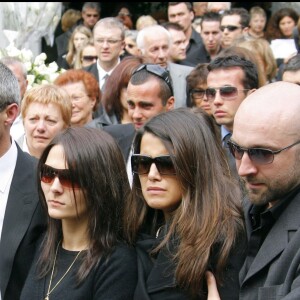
x,y
22,221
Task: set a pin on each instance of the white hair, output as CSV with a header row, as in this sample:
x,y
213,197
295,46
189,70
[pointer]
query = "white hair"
x,y
149,31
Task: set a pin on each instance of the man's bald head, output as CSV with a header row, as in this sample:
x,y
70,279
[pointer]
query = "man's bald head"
x,y
276,106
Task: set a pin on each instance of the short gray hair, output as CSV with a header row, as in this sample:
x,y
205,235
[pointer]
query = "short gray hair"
x,y
9,87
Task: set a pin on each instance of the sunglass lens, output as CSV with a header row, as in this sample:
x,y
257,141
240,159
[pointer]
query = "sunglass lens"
x,y
228,92
65,179
261,156
235,150
46,175
140,164
210,94
165,165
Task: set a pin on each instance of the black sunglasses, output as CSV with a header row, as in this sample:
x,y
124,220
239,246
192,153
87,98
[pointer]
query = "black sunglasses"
x,y
226,92
48,174
230,28
259,156
197,93
158,71
89,57
141,164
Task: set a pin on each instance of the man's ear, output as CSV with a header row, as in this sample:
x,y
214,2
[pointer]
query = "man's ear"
x,y
170,103
12,111
245,30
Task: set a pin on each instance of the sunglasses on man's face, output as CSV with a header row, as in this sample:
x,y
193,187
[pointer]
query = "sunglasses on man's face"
x,y
48,174
260,156
141,164
226,92
230,28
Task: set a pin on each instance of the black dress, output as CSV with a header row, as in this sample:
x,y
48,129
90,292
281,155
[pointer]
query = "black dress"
x,y
112,279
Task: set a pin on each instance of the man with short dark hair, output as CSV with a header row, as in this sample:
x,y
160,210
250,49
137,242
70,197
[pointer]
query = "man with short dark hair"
x,y
234,23
183,14
211,34
178,45
149,92
230,80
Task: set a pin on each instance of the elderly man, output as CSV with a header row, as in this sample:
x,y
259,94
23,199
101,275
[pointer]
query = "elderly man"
x,y
154,43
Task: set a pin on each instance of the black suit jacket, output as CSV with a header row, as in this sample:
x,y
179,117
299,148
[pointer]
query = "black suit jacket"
x,y
24,222
92,69
124,135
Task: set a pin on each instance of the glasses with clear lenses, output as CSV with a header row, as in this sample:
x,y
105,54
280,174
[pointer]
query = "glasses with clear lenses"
x,y
48,174
158,71
141,164
110,42
230,28
226,92
260,156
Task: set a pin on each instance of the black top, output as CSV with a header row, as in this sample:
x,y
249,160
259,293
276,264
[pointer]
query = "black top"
x,y
156,279
112,279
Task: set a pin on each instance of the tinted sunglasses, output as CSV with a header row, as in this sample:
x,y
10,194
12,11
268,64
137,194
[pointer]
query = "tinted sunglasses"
x,y
226,92
158,71
141,164
89,57
258,156
230,28
197,93
48,174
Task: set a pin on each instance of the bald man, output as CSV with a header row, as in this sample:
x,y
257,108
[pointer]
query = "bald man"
x,y
266,145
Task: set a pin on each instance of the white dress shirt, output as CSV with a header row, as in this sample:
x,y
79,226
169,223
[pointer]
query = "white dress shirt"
x,y
7,167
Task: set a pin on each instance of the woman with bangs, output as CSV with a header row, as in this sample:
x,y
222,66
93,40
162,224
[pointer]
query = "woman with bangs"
x,y
83,254
46,111
184,214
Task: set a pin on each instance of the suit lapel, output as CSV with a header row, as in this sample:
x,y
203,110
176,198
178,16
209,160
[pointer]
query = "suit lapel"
x,y
277,239
18,214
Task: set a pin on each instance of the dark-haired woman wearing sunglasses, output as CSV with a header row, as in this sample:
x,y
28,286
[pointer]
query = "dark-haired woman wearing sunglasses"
x,y
83,254
184,212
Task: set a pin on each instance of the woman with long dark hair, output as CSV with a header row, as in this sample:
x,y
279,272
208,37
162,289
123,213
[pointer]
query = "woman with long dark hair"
x,y
83,255
184,213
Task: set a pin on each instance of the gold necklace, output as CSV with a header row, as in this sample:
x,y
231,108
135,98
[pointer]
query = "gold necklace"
x,y
59,281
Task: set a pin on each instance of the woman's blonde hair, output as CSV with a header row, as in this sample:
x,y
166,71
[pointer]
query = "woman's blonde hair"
x,y
48,94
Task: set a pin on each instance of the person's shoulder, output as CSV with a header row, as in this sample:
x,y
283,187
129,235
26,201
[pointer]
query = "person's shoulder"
x,y
180,68
90,67
119,128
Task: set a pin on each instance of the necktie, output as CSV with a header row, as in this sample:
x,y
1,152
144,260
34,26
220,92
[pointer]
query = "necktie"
x,y
103,86
226,139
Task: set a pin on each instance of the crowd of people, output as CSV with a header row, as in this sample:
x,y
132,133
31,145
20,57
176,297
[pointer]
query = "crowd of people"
x,y
161,164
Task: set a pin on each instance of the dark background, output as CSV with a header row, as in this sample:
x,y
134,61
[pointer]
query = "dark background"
x,y
158,10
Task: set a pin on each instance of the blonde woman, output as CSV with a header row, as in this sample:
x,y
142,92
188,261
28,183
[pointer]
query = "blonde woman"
x,y
80,37
46,110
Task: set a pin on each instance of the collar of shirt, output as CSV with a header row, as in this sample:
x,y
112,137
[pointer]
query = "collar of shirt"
x,y
7,166
102,73
224,132
261,213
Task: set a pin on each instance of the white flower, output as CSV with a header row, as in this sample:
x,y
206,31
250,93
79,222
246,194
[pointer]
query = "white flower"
x,y
40,59
38,72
